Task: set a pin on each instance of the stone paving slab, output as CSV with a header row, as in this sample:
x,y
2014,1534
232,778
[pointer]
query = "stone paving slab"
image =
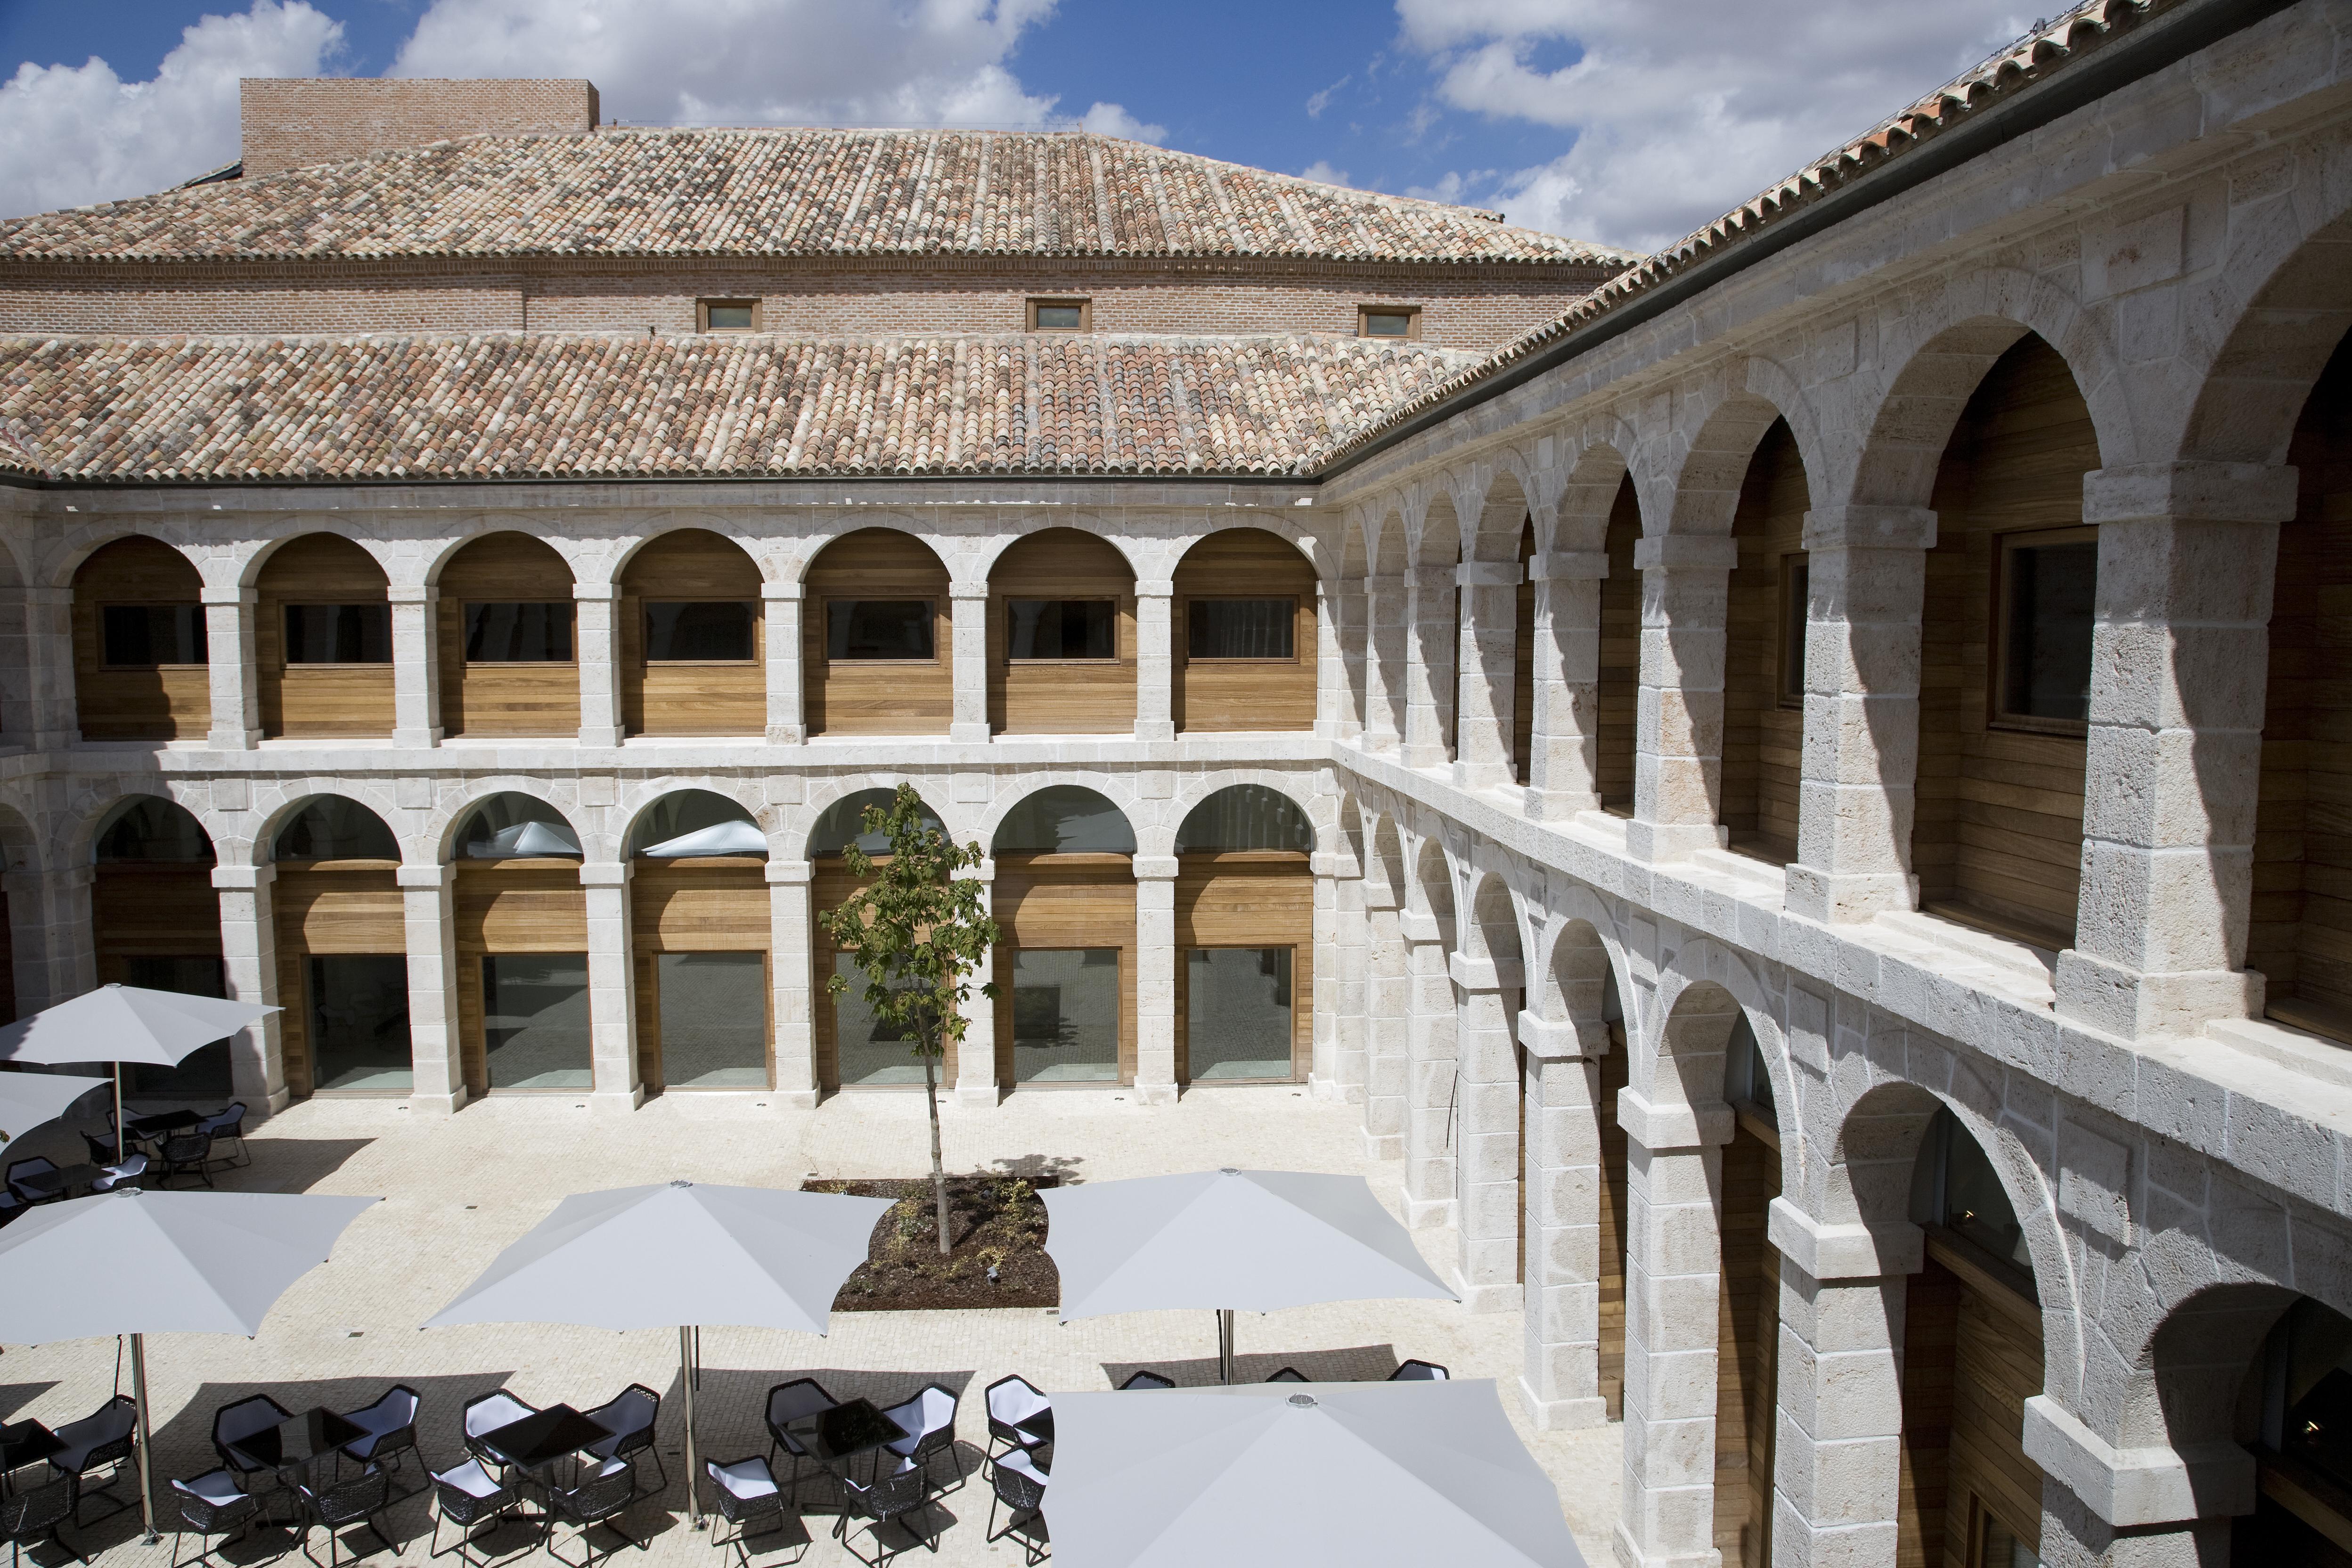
x,y
457,1189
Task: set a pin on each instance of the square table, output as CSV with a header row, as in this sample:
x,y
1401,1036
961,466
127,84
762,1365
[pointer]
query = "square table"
x,y
833,1437
163,1121
296,1444
47,1181
1038,1425
25,1442
544,1437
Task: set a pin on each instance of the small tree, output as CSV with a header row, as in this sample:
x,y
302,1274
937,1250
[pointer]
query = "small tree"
x,y
917,931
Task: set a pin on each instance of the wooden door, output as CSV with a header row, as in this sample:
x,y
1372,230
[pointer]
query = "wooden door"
x,y
327,907
1253,898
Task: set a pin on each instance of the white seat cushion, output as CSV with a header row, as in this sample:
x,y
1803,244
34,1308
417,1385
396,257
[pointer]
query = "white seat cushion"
x,y
216,1486
1013,1403
1021,1464
745,1479
499,1410
471,1478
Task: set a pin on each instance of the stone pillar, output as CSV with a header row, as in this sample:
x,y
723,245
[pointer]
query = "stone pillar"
x,y
1673,1277
967,642
1385,601
1678,750
611,988
228,645
1867,569
598,650
2179,666
1155,659
1431,659
249,951
56,719
1338,1073
1155,980
787,721
1388,1001
18,696
1346,604
976,1088
1559,1386
1486,1133
428,901
1838,1432
2106,1507
1431,1077
1563,740
798,991
50,935
1490,613
415,668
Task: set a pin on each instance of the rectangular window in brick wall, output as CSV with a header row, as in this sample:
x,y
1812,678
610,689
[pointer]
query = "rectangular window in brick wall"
x,y
1061,315
1387,322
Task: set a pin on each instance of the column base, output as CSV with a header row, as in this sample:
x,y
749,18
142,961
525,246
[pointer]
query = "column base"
x,y
239,739
1832,898
1155,730
447,1104
1556,805
2120,1002
1562,1414
276,1101
417,738
1154,1093
977,1097
787,734
1331,1091
1428,1214
599,734
1384,1146
1484,777
1488,1298
1630,1554
616,1101
794,1099
1664,841
970,731
1423,757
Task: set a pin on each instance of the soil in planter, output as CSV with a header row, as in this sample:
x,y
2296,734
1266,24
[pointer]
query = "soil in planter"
x,y
992,1221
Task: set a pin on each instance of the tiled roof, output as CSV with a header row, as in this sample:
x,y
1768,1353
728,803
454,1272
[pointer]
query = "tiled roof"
x,y
783,193
530,405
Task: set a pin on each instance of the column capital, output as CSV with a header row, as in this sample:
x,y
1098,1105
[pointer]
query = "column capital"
x,y
2190,492
1834,1252
1488,574
427,878
606,873
1155,867
227,593
1419,929
1394,583
1685,552
243,878
595,593
1334,863
414,594
1671,1128
967,591
779,592
1559,1039
2136,1487
1155,587
1569,566
1484,974
1870,528
780,873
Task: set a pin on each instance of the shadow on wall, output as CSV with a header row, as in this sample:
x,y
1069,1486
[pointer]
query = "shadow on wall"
x,y
1358,1363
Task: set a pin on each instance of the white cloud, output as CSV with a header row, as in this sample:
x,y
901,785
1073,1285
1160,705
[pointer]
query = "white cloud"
x,y
1113,119
79,134
1322,173
1681,112
1318,102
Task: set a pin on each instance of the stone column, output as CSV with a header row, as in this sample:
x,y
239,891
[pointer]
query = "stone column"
x,y
235,689
50,935
1332,698
1345,603
1486,1134
1559,1386
1838,1432
798,991
975,1085
1339,1069
1431,659
2179,666
1673,1277
18,696
56,721
1155,659
1388,1001
968,643
1678,751
1430,1078
1155,980
598,649
415,666
611,988
429,900
1867,569
781,609
1564,761
1490,613
1385,600
2108,1507
249,951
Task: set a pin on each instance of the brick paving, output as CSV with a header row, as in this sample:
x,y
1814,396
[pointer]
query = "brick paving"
x,y
458,1189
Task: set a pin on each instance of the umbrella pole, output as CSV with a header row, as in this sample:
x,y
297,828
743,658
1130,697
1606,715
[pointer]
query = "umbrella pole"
x,y
1225,1345
121,1137
685,1375
139,1398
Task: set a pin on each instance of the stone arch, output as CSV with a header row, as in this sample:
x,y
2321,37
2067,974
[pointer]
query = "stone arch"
x,y
250,565
220,829
1433,889
450,814
1121,800
2275,344
1684,982
797,834
68,555
577,558
981,562
1502,509
1318,553
1314,810
1384,870
627,550
638,802
282,816
1713,465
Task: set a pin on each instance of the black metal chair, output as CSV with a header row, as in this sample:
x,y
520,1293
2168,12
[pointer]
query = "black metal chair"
x,y
105,1439
746,1492
184,1154
1290,1375
928,1421
600,1500
35,1166
359,1499
227,1126
1419,1371
1011,1401
38,1514
629,1416
391,1428
787,1402
891,1497
486,1413
126,1174
466,1496
101,1152
232,1424
1021,1489
1147,1380
211,1504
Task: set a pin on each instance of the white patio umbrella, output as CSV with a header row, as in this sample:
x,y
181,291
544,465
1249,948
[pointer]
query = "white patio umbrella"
x,y
29,1099
1374,1475
1228,1240
718,838
121,1024
679,1255
137,1262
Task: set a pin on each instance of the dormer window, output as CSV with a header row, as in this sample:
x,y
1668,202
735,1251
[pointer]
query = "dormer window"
x,y
1387,322
727,315
1060,315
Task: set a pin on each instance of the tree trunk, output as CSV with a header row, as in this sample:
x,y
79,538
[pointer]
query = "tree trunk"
x,y
938,1168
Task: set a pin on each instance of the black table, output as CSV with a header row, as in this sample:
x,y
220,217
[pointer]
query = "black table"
x,y
1039,1425
854,1427
544,1437
25,1442
163,1122
296,1444
47,1181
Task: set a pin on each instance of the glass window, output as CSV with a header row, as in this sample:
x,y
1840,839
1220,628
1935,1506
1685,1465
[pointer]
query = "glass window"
x,y
147,828
1240,628
535,1020
359,1022
1387,323
845,820
339,634
2003,1549
333,827
1065,317
2307,1389
1745,1076
714,1019
518,634
727,316
1061,629
711,631
1237,1020
140,636
877,629
513,823
1244,816
2049,586
689,824
1064,819
868,1050
204,1073
1066,1016
1954,1185
1796,586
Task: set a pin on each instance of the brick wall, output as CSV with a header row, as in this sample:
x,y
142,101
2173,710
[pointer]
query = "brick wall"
x,y
291,122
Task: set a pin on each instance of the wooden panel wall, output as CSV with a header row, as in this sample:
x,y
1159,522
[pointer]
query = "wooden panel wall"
x,y
829,889
1747,1329
1931,1312
155,909
318,698
327,907
1245,563
1614,1074
1999,834
1971,1357
504,699
714,905
1763,737
1251,898
171,702
1063,901
879,696
687,697
1523,659
1072,697
1621,656
510,906
2300,937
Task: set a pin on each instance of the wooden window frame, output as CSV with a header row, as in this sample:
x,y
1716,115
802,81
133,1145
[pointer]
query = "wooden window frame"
x,y
1412,314
824,641
1184,1020
97,612
2004,546
1085,313
1788,684
1113,658
702,316
286,636
1184,611
572,663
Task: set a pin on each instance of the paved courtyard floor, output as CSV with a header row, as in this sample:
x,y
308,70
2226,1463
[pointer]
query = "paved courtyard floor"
x,y
458,1189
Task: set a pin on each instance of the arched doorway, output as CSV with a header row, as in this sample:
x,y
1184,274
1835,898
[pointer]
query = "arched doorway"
x,y
1061,636
693,647
1245,634
700,924
854,1048
155,921
1764,674
509,664
1618,679
140,654
1244,940
522,950
342,951
322,640
875,637
1066,969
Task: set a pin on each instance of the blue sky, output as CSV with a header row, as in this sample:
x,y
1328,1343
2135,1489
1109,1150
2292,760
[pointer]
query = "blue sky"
x,y
1625,124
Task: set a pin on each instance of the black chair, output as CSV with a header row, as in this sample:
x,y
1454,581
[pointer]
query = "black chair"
x,y
391,1428
105,1439
38,1514
11,1205
1011,1401
1020,1487
1419,1371
928,1421
1290,1375
101,1153
600,1500
211,1504
746,1492
890,1498
1147,1380
486,1413
629,1416
227,1126
35,1166
233,1423
361,1499
790,1402
185,1154
466,1496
